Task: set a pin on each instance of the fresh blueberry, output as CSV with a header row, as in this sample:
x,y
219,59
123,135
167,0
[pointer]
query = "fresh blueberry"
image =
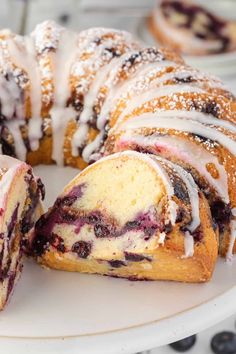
x,y
184,344
224,343
64,18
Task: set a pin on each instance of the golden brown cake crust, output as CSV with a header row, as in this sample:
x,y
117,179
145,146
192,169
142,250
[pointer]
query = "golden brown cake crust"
x,y
109,81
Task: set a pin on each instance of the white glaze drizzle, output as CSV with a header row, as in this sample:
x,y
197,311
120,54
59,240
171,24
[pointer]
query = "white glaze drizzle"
x,y
229,254
151,120
155,93
162,238
139,100
193,154
116,92
60,114
14,127
188,245
193,115
10,99
80,135
106,77
140,83
93,146
10,84
23,52
95,68
192,193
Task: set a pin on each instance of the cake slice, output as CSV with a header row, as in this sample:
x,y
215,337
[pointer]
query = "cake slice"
x,y
192,29
130,215
20,207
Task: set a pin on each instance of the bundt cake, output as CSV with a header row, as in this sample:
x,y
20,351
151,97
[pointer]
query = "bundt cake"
x,y
130,215
191,29
20,207
71,99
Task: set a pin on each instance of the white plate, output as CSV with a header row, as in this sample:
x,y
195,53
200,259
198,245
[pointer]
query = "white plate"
x,y
56,312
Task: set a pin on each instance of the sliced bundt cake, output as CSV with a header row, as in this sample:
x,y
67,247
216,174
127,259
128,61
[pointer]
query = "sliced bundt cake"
x,y
20,207
130,215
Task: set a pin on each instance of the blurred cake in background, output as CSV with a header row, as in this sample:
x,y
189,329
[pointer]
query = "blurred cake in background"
x,y
191,29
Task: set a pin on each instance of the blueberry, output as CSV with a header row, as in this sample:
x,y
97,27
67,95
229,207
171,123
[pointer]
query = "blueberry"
x,y
198,235
64,18
134,257
82,248
224,343
221,213
41,188
184,344
116,263
184,80
39,244
103,231
180,190
132,224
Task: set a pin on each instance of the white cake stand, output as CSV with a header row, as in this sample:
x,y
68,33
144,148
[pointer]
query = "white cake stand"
x,y
56,312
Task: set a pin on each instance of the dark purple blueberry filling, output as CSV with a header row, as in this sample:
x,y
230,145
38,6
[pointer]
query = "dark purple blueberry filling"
x,y
34,192
135,224
181,213
203,139
197,235
67,200
200,35
82,248
184,80
40,244
41,188
57,242
114,52
168,228
144,223
78,105
150,54
94,217
7,147
143,150
221,213
103,231
135,278
116,263
210,108
1,253
12,223
134,257
180,190
103,228
97,41
3,274
12,277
